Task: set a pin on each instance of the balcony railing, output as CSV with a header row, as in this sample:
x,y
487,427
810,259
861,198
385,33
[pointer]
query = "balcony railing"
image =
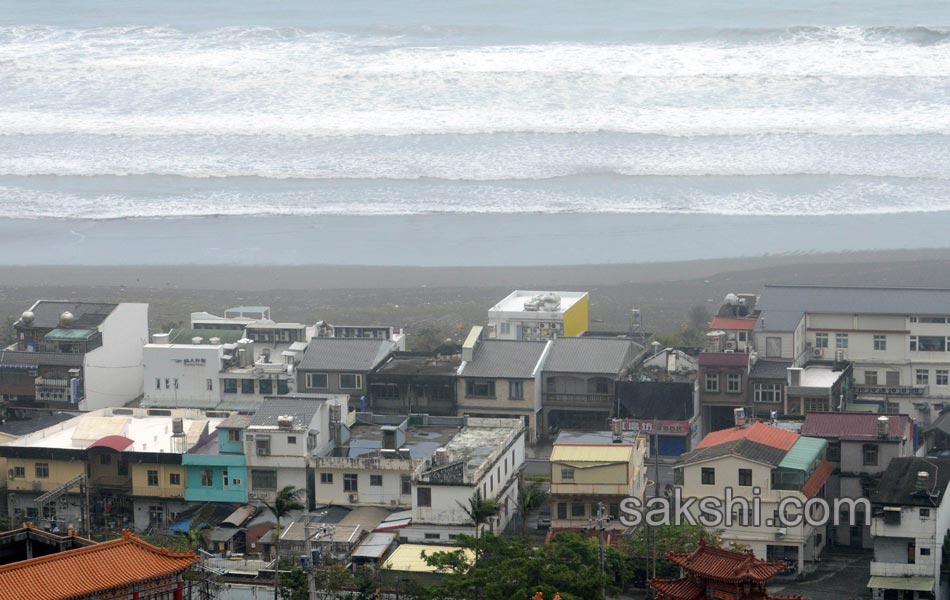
x,y
888,569
579,399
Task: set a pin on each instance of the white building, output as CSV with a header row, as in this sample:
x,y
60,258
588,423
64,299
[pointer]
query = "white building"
x,y
533,315
284,435
911,517
483,458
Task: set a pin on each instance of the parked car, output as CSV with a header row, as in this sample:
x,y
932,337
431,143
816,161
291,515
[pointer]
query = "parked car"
x,y
544,519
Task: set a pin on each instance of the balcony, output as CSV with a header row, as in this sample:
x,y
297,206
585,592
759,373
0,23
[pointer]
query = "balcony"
x,y
579,400
888,569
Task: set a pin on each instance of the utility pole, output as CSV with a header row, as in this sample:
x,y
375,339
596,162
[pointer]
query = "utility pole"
x,y
601,553
308,545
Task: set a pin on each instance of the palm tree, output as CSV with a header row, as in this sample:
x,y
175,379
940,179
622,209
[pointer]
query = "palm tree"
x,y
285,501
480,511
530,497
198,536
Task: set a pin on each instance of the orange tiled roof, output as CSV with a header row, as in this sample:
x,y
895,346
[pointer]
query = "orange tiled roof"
x,y
678,589
757,432
725,565
109,565
733,324
817,479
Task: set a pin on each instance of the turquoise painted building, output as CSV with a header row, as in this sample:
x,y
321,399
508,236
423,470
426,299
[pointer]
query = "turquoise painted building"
x,y
217,470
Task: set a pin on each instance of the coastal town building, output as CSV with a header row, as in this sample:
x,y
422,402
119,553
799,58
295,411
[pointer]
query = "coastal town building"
x,y
85,355
502,379
341,366
409,382
483,458
579,378
668,364
533,315
776,462
723,382
666,411
322,329
910,521
593,468
860,448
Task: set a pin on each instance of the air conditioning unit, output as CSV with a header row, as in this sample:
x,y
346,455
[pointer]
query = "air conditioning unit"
x,y
730,345
818,352
251,496
354,498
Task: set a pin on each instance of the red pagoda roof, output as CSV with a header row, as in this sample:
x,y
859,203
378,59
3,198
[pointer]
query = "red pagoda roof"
x,y
725,565
678,589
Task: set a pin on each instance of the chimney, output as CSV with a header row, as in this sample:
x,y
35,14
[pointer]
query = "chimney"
x,y
794,376
923,483
468,347
739,414
616,428
883,428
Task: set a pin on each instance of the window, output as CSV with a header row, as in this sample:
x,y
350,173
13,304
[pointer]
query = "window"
x,y
230,386
678,476
19,472
105,459
578,509
841,341
768,392
506,328
870,455
709,476
247,386
923,376
745,477
870,378
929,319
209,384
174,479
291,440
942,377
351,381
167,383
351,482
264,480
562,510
712,382
262,444
928,343
234,435
816,405
925,551
911,553
924,513
599,386
424,496
152,477
207,478
734,383
42,470
326,477
743,336
567,474
406,482
880,343
317,381
176,383
266,386
480,389
821,340
158,383
224,479
433,536
893,378
834,451
376,480
516,390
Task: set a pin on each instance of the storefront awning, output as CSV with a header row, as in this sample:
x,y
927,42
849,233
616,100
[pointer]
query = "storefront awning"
x,y
916,584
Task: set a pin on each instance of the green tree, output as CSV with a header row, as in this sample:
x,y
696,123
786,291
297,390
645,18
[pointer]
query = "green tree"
x,y
286,500
294,585
7,332
531,496
480,510
639,548
427,338
197,536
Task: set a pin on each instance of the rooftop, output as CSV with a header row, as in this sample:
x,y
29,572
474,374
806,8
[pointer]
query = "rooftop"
x,y
302,407
726,565
590,355
804,453
782,306
409,557
819,376
729,324
406,363
111,565
849,426
745,448
515,301
14,359
898,485
664,400
148,433
345,354
757,432
587,453
420,440
481,440
185,335
504,358
770,369
723,359
36,423
46,313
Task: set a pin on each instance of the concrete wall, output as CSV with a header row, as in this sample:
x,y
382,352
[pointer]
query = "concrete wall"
x,y
113,372
502,405
168,362
576,320
165,488
60,471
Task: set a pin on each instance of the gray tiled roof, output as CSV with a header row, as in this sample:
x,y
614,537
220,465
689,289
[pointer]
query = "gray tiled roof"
x,y
899,483
770,369
302,407
342,354
504,358
51,359
743,447
590,355
782,306
88,314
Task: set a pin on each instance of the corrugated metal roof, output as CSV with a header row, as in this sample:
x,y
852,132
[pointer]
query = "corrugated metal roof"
x,y
301,407
803,454
916,584
46,313
374,545
770,369
817,479
606,356
898,485
53,359
742,447
345,354
591,453
757,432
732,324
723,359
782,306
69,335
408,557
853,426
504,358
184,335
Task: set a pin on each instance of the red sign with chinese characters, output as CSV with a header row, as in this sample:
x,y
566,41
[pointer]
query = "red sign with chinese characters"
x,y
651,426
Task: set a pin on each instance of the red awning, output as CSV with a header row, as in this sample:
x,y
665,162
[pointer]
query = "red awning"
x,y
113,442
817,479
